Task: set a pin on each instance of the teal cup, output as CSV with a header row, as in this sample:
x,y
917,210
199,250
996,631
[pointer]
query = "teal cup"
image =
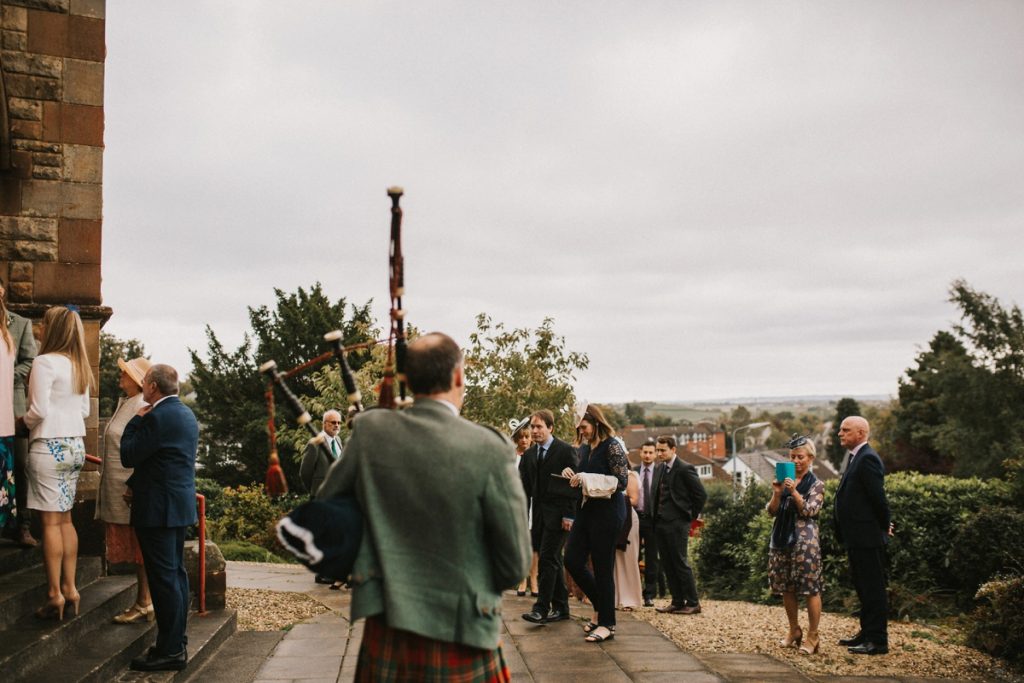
x,y
784,470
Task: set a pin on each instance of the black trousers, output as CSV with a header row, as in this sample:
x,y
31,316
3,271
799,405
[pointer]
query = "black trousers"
x,y
673,538
653,576
551,589
593,535
21,482
867,567
163,553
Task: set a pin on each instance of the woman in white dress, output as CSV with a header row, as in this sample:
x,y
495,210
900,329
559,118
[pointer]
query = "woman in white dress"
x,y
58,395
628,588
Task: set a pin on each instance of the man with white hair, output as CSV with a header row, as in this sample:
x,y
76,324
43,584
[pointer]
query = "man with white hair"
x,y
315,462
863,525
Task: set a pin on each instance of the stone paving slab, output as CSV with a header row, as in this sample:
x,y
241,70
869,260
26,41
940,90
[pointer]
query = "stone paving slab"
x,y
751,667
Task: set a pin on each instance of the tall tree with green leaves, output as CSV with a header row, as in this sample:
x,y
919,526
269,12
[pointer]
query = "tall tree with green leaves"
x,y
230,394
512,372
112,348
845,408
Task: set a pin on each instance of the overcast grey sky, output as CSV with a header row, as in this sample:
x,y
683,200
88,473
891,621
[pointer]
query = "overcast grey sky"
x,y
712,199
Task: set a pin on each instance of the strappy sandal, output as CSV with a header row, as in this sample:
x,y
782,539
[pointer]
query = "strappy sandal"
x,y
596,637
590,626
792,641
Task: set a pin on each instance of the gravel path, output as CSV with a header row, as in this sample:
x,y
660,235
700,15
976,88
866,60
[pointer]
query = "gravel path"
x,y
261,610
914,649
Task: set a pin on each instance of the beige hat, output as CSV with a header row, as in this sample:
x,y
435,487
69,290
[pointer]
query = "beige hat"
x,y
136,368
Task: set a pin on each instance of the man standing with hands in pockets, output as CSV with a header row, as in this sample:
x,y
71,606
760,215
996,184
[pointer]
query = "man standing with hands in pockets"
x,y
160,444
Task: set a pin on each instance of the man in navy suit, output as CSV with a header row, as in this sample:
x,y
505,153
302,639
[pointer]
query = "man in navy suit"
x,y
864,524
160,444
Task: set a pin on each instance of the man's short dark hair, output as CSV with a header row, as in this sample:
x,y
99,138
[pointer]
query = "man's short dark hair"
x,y
669,441
648,442
546,416
430,362
166,379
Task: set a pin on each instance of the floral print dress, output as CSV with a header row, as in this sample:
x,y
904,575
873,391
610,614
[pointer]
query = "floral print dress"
x,y
797,569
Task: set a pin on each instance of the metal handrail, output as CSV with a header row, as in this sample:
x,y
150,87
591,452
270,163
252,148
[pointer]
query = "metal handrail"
x,y
201,502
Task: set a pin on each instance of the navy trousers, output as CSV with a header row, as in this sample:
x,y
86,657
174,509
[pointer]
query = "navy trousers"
x,y
867,566
593,535
673,538
552,592
163,553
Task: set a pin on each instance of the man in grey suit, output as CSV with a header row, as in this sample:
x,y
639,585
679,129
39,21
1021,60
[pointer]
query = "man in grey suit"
x,y
20,330
315,462
445,521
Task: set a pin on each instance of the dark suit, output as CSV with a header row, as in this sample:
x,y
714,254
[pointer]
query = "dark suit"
x,y
161,447
862,525
553,500
678,497
316,460
648,543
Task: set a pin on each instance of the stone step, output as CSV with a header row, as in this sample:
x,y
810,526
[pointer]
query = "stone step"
x,y
15,558
30,643
98,658
239,659
23,591
206,634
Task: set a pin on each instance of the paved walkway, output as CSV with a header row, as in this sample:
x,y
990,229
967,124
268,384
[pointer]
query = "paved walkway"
x,y
324,649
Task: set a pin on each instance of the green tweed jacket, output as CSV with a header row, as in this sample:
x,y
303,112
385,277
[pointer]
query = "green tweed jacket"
x,y
21,334
445,522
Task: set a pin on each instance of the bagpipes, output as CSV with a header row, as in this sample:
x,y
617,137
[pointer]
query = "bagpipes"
x,y
325,535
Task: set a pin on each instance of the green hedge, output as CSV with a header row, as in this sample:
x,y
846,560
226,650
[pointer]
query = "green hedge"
x,y
247,514
248,552
998,624
931,512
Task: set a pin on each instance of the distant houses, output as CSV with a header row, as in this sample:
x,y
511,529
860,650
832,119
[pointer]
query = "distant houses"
x,y
759,466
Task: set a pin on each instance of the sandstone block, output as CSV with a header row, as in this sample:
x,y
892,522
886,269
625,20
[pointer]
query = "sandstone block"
x,y
32,130
52,121
20,227
29,110
15,18
36,146
21,271
81,124
92,344
42,198
34,65
28,250
47,33
86,38
21,163
34,87
44,159
83,163
58,283
83,82
46,173
48,5
23,228
20,292
83,200
14,40
79,241
89,8
93,421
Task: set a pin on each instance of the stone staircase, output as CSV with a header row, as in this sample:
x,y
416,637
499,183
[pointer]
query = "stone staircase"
x,y
87,647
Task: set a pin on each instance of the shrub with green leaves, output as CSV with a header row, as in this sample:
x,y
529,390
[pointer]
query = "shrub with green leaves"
x,y
998,624
722,555
241,551
986,544
246,513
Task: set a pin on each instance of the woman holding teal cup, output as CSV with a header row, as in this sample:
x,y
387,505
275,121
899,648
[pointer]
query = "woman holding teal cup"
x,y
794,557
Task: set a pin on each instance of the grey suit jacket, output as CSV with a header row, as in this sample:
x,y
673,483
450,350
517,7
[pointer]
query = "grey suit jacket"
x,y
21,334
315,464
445,522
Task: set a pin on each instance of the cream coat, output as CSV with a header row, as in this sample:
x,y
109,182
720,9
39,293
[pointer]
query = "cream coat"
x,y
110,505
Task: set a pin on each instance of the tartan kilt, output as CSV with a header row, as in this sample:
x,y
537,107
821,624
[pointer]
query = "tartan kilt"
x,y
388,654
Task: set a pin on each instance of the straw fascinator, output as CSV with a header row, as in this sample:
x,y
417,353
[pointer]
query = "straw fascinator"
x,y
515,426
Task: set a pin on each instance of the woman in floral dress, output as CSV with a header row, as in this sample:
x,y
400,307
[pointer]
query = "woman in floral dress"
x,y
794,558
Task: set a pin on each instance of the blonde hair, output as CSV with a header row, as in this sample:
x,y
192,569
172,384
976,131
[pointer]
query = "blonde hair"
x,y
5,334
63,334
807,447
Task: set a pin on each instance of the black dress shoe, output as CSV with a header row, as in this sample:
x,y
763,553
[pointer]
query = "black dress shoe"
x,y
322,579
868,648
152,662
556,615
849,642
535,617
668,609
648,602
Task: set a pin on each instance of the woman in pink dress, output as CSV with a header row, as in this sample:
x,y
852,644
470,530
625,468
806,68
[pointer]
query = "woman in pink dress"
x,y
628,587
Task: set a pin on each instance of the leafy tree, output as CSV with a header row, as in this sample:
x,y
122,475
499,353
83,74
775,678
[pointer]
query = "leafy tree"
x,y
658,420
636,414
112,348
512,372
960,406
230,394
845,408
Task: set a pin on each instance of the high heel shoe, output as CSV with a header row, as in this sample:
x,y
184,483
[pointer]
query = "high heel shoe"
x,y
135,613
792,641
74,601
52,610
810,646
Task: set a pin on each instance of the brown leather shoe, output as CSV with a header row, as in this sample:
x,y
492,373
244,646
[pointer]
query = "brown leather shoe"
x,y
24,538
690,609
668,609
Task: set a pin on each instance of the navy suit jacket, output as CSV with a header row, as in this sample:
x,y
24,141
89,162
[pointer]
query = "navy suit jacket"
x,y
161,447
862,510
685,493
